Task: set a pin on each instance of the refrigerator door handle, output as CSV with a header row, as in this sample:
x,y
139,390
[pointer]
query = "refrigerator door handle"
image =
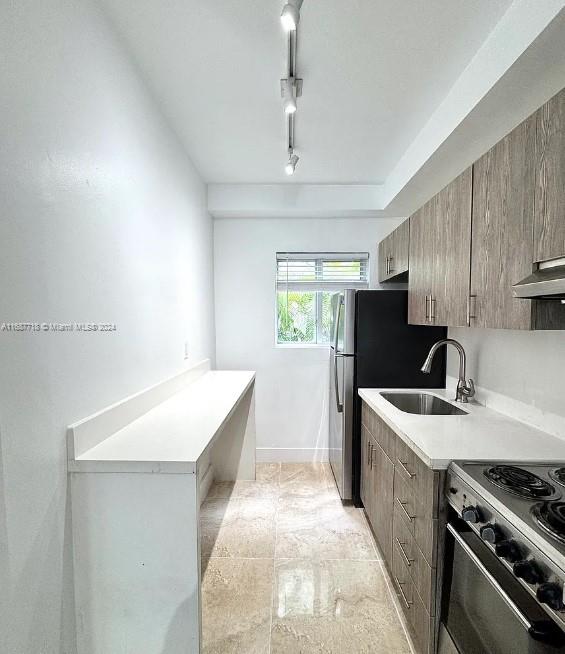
x,y
339,405
336,324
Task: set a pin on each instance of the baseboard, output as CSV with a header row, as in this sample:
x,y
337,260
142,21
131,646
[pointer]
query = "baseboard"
x,y
291,455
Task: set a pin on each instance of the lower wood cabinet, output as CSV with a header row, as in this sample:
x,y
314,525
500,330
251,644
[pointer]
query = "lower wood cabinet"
x,y
404,504
382,473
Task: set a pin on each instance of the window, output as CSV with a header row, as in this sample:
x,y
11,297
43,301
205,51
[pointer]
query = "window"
x,y
305,285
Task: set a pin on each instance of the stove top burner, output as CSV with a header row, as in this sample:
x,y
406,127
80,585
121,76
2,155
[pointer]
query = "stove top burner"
x,y
520,482
558,475
550,516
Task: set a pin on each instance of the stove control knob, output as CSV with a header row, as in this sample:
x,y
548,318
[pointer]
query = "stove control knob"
x,y
507,549
550,594
528,571
471,514
491,533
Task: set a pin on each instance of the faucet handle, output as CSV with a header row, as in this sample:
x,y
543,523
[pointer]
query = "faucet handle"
x,y
469,388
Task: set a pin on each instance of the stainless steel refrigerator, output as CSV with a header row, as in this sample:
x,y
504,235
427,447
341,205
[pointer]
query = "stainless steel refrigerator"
x,y
373,346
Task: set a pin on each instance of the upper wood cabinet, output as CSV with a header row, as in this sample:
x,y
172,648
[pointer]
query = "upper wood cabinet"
x,y
549,226
452,260
486,230
393,253
503,217
421,263
440,253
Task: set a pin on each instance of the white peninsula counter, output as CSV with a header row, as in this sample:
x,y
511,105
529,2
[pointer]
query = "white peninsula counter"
x,y
138,473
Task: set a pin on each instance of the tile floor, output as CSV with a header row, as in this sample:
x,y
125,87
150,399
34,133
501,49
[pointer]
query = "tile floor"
x,y
287,569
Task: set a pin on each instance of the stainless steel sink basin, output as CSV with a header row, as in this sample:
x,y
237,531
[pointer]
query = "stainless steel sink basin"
x,y
423,404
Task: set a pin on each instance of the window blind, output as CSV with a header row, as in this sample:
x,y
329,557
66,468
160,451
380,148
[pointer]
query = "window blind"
x,y
314,271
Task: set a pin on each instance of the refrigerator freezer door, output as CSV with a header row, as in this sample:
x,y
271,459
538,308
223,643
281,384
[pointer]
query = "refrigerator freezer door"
x,y
343,322
341,422
346,323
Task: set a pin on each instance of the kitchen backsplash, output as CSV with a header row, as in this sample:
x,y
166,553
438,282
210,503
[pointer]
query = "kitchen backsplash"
x,y
517,373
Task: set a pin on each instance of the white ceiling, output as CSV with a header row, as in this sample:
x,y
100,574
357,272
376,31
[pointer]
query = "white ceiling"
x,y
374,72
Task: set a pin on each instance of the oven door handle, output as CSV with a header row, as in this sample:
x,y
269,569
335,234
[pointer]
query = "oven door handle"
x,y
541,630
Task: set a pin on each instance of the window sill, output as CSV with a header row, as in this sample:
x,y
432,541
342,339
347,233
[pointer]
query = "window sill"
x,y
302,346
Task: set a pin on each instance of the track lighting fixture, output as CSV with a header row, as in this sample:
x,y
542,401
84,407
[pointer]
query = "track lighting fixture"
x,y
290,15
291,164
288,94
291,86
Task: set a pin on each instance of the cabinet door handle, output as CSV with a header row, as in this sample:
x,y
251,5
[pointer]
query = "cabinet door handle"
x,y
403,466
390,260
432,308
427,315
406,601
471,308
403,507
407,560
368,452
372,450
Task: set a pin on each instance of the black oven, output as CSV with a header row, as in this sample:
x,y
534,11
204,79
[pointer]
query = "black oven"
x,y
484,607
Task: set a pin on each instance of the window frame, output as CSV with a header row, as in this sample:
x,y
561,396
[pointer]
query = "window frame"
x,y
331,288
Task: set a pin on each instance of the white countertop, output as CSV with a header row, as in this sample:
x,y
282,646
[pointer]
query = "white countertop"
x,y
172,436
482,434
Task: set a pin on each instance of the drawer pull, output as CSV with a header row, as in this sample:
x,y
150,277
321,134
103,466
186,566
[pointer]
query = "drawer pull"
x,y
407,560
406,601
403,466
403,507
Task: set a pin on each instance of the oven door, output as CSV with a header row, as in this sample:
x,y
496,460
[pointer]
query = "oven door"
x,y
484,608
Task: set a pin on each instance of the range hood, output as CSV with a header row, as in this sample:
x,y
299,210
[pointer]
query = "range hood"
x,y
546,282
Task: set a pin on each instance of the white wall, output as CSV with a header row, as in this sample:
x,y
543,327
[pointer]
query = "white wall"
x,y
102,218
517,372
292,383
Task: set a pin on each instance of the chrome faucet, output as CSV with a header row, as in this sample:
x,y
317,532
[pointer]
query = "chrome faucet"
x,y
465,389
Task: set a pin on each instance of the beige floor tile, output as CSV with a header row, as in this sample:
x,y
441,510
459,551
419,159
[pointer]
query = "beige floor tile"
x,y
304,479
239,489
321,528
236,606
334,607
265,486
238,528
268,472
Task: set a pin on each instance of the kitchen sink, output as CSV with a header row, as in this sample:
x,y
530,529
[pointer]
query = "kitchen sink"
x,y
424,404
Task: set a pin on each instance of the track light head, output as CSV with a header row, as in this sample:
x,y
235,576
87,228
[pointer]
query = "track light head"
x,y
291,164
290,15
289,96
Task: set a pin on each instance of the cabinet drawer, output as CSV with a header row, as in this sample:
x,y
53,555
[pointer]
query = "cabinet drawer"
x,y
385,437
421,479
404,503
416,515
422,574
420,622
